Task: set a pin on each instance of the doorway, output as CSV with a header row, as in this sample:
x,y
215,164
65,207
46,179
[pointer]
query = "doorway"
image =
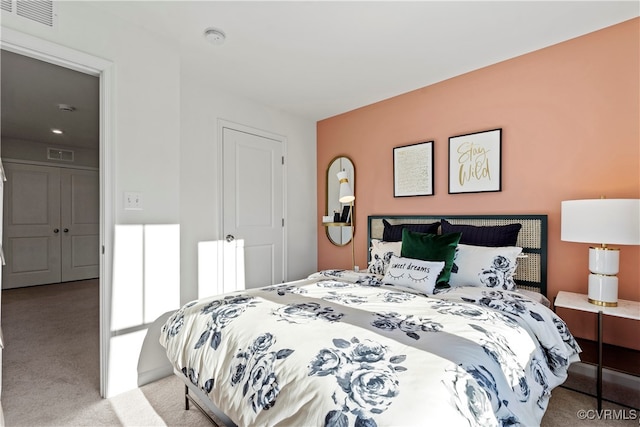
x,y
32,47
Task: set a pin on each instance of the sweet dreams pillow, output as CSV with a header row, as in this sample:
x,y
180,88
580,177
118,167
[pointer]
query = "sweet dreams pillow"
x,y
413,273
484,266
381,253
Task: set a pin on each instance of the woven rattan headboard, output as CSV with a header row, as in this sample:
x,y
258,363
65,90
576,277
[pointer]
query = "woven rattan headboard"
x,y
531,273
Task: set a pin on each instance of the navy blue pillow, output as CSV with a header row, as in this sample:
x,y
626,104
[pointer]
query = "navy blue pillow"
x,y
491,235
393,233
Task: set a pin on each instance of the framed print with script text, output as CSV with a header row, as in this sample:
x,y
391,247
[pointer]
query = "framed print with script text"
x,y
413,170
475,162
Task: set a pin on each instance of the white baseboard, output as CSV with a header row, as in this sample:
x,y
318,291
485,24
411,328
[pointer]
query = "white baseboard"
x,y
153,363
154,375
608,375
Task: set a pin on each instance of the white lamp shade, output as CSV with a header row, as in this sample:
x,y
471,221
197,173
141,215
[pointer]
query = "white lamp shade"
x,y
601,221
346,193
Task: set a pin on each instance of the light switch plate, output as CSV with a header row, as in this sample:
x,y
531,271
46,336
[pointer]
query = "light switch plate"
x,y
132,201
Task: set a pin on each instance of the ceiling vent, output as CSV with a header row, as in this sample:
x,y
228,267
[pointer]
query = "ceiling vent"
x,y
41,11
59,154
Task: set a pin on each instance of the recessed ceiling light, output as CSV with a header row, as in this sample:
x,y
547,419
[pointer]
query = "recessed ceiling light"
x,y
214,36
66,107
56,131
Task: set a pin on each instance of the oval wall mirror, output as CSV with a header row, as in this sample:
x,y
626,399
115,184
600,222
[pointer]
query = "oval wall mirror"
x,y
339,232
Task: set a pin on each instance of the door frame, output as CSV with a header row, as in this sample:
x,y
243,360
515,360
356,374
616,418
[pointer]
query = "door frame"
x,y
222,124
37,48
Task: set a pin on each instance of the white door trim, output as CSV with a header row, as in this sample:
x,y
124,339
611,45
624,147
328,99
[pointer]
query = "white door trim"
x,y
34,47
222,124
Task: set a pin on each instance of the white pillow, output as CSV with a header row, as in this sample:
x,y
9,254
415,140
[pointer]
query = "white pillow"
x,y
413,273
381,253
485,266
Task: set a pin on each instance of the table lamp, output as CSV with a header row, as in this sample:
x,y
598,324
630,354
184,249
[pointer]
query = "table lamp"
x,y
604,222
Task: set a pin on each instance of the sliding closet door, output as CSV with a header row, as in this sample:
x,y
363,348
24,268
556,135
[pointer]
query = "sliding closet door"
x,y
31,225
79,224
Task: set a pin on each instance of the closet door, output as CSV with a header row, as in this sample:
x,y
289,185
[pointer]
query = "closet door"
x,y
79,226
32,232
253,169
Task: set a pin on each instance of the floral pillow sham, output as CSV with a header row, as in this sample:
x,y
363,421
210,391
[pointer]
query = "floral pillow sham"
x,y
381,253
491,267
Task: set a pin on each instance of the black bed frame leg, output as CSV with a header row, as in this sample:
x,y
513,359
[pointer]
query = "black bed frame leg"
x,y
187,403
186,397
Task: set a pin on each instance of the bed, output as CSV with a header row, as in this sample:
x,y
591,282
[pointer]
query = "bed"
x,y
404,343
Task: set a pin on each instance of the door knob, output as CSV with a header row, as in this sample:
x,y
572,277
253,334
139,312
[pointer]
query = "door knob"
x,y
230,237
55,230
66,230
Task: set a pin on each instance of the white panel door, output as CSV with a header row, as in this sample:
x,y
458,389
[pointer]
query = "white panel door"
x,y
253,204
51,225
79,226
31,225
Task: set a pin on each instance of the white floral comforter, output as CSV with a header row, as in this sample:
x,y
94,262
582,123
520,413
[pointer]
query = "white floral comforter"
x,y
345,350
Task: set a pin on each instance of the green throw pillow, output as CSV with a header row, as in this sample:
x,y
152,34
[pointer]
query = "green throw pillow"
x,y
431,247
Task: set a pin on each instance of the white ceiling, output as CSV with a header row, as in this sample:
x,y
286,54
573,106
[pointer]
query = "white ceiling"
x,y
322,58
318,59
31,91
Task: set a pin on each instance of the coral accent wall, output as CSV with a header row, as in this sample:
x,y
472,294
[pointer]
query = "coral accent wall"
x,y
569,115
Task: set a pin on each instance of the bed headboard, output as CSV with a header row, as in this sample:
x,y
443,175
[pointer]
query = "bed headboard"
x,y
531,273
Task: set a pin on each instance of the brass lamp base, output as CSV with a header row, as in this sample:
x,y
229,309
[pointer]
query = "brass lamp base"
x,y
603,303
603,290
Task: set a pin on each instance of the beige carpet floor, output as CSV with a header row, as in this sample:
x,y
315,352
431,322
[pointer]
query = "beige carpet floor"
x,y
51,371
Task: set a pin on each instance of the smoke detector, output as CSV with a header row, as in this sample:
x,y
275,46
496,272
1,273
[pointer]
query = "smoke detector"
x,y
214,36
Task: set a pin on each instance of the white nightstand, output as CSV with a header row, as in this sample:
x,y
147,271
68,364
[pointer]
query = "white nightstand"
x,y
625,308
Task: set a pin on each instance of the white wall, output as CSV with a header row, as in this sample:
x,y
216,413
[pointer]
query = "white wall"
x,y
164,138
144,138
146,97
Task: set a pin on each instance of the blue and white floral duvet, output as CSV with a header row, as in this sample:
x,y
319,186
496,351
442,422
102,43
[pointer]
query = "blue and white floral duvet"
x,y
345,350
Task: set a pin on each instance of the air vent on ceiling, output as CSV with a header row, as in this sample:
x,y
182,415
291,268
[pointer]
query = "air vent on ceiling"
x,y
41,11
6,5
59,154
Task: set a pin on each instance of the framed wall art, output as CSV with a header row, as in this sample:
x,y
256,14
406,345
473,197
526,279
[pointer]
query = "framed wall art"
x,y
475,162
413,170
